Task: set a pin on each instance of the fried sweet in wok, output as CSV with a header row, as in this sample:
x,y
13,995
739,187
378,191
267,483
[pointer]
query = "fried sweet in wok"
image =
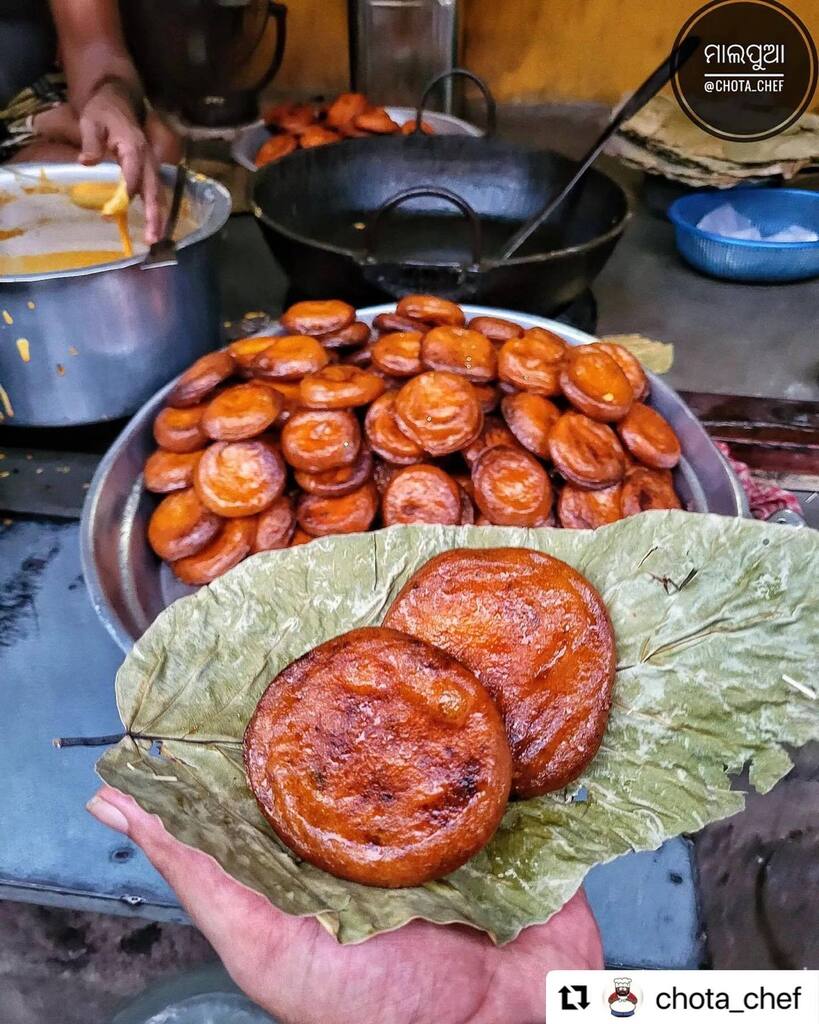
x,y
349,513
421,494
318,316
319,439
537,635
379,759
241,412
440,411
585,452
245,350
377,121
431,310
289,358
399,353
345,107
274,149
169,471
197,382
333,483
460,350
649,437
316,135
530,418
230,545
275,526
495,328
594,383
239,478
532,362
511,487
586,510
181,525
340,387
629,364
645,489
180,430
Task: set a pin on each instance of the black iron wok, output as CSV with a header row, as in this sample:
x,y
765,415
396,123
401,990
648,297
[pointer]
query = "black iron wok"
x,y
390,216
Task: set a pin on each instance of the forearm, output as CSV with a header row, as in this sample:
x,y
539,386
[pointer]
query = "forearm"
x,y
93,51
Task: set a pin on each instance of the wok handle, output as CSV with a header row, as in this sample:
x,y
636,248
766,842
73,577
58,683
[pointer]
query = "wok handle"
x,y
491,114
278,12
371,231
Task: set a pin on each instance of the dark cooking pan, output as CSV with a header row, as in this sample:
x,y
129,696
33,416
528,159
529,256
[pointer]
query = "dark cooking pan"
x,y
431,214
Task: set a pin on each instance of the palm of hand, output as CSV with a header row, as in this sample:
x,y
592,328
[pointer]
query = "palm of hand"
x,y
419,974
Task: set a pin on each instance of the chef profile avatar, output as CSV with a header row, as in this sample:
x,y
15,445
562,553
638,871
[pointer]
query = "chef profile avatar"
x,y
622,1002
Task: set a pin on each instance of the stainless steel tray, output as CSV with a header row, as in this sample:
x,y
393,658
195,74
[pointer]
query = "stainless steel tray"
x,y
248,141
129,586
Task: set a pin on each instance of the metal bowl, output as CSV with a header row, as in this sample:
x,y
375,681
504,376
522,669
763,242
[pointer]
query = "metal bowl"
x,y
129,586
248,141
103,338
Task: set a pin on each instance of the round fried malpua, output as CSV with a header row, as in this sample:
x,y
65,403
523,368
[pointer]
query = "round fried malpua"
x,y
291,398
180,430
181,525
245,350
379,759
488,396
493,433
532,362
495,328
530,418
275,526
439,411
290,357
460,350
353,335
421,494
387,323
239,478
348,513
242,411
578,509
319,439
230,546
431,310
318,316
630,365
645,489
340,387
537,635
333,483
200,379
649,437
585,452
385,436
511,487
594,383
399,353
169,471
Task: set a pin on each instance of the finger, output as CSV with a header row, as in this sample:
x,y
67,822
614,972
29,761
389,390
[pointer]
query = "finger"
x,y
130,150
92,143
152,197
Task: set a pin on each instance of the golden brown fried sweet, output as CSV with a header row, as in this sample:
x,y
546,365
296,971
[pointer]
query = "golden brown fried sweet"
x,y
585,452
245,350
169,471
181,525
241,412
594,383
316,135
200,379
180,430
333,483
379,759
586,510
348,513
629,364
289,358
239,478
386,437
537,635
421,494
494,433
408,127
355,334
530,418
532,362
387,323
318,316
399,353
275,526
439,411
495,328
488,396
319,439
377,121
645,489
649,437
460,350
275,149
431,310
340,387
345,107
228,548
511,487
291,117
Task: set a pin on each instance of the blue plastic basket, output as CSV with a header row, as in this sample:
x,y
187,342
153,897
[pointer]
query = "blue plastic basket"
x,y
742,259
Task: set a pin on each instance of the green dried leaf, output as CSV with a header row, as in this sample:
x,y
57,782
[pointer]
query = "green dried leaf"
x,y
713,617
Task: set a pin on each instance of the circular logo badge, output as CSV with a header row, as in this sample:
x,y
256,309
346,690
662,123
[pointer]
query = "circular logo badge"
x,y
753,73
